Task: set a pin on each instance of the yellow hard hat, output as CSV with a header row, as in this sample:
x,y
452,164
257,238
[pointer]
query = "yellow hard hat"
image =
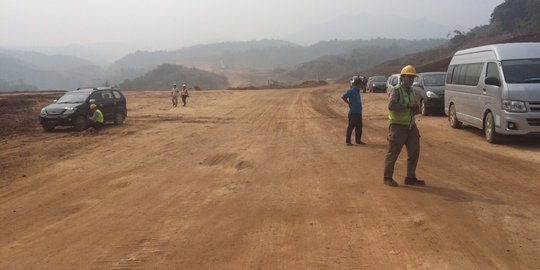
x,y
92,106
408,70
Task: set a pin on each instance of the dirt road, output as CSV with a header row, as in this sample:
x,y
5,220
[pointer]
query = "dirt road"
x,y
263,180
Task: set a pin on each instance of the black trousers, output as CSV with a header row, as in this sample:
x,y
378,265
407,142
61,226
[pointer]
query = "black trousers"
x,y
97,125
355,123
184,98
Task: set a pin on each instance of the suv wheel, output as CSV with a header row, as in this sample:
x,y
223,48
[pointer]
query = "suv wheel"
x,y
80,123
119,118
47,128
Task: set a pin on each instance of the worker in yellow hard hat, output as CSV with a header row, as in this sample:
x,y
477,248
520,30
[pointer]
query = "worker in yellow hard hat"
x,y
402,128
95,116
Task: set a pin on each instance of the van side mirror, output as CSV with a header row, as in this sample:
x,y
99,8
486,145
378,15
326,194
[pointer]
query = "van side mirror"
x,y
492,81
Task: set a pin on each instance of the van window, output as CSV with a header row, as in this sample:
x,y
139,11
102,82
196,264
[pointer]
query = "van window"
x,y
521,71
459,76
450,74
467,74
472,75
492,70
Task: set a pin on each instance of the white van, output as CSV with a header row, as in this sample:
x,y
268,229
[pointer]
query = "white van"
x,y
495,88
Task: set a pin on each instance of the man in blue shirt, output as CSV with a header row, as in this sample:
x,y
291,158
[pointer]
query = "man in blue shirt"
x,y
354,100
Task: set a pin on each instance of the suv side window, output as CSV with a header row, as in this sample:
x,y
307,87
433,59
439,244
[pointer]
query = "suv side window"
x,y
96,97
107,95
117,95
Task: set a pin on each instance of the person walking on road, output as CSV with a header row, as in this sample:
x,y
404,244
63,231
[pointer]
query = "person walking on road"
x,y
184,94
174,94
402,130
354,100
95,116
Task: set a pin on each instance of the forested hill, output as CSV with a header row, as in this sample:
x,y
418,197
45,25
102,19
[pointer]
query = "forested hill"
x,y
163,76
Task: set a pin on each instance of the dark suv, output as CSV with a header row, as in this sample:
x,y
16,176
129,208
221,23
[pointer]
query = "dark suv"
x,y
72,108
429,90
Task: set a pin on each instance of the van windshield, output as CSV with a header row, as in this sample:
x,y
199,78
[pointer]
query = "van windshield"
x,y
521,71
73,97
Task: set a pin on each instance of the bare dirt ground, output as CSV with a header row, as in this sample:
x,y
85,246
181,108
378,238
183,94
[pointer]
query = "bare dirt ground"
x,y
259,180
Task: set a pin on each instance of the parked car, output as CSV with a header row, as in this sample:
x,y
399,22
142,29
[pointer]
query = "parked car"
x,y
392,81
429,90
72,108
376,84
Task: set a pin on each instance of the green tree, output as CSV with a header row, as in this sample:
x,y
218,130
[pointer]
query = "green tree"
x,y
517,16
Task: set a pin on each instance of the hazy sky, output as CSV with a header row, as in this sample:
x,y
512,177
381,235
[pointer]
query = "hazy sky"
x,y
173,24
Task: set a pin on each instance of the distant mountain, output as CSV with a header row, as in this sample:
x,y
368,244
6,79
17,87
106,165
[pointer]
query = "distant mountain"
x,y
47,72
48,62
163,76
371,53
264,54
209,54
366,26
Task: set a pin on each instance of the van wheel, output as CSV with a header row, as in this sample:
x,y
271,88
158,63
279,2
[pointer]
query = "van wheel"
x,y
452,117
80,123
423,109
489,129
119,118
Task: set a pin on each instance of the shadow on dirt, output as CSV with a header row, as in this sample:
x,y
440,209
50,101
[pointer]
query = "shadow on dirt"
x,y
451,194
525,142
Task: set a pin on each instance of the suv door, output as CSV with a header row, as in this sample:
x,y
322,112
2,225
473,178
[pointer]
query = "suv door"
x,y
109,105
120,102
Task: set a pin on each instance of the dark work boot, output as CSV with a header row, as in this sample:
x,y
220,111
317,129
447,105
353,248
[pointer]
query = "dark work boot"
x,y
390,182
414,181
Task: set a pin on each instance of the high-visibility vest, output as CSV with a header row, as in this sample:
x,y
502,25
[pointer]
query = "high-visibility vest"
x,y
403,117
99,116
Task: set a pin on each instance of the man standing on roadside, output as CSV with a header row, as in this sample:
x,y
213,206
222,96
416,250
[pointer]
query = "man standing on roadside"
x,y
402,107
354,100
174,94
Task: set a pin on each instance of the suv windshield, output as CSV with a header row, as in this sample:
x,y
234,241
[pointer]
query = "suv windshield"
x,y
379,79
434,80
73,97
522,71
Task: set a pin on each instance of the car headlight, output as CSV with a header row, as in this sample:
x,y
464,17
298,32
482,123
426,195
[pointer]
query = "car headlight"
x,y
514,106
430,94
69,110
43,112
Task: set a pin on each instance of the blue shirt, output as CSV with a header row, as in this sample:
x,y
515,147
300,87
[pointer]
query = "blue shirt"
x,y
354,98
